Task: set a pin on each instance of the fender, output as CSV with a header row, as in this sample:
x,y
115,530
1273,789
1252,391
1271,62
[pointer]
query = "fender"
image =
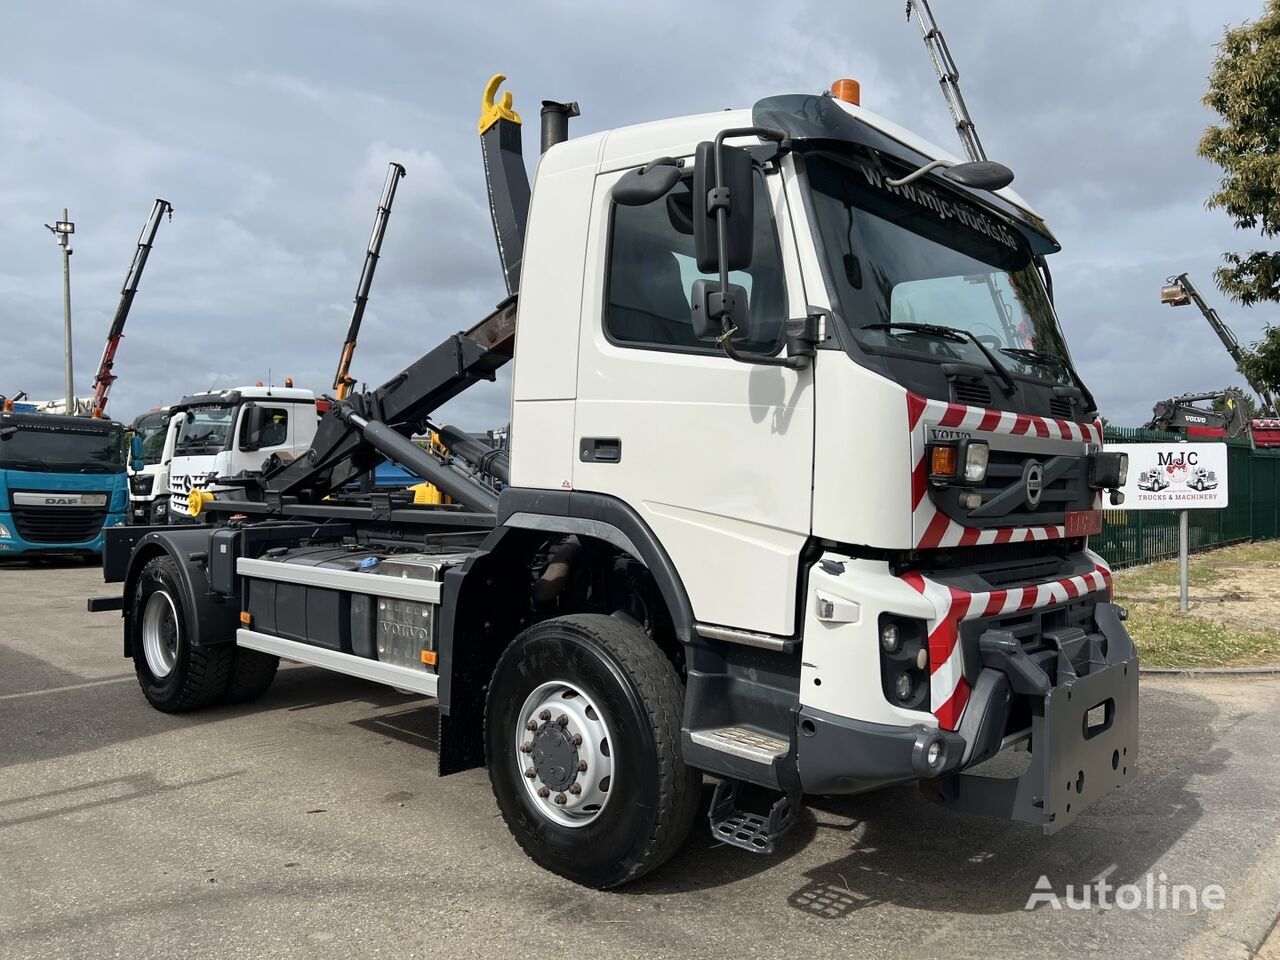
x,y
553,511
210,618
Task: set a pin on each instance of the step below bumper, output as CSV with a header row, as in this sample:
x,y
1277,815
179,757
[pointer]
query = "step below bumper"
x,y
1083,736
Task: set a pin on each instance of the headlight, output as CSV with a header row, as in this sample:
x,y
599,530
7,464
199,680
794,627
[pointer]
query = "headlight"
x,y
890,638
958,461
1107,471
904,661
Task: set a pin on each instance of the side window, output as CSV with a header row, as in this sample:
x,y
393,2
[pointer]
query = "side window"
x,y
652,269
275,428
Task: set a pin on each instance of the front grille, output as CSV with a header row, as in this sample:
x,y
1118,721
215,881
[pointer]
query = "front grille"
x,y
58,524
140,484
973,393
1004,501
1030,626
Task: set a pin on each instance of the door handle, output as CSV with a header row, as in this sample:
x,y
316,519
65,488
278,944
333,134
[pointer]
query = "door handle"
x,y
600,449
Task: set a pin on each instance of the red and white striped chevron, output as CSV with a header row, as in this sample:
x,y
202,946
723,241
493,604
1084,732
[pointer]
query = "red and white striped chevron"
x,y
933,528
949,691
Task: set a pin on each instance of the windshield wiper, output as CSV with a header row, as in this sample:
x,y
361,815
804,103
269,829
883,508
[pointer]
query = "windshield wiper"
x,y
957,335
1046,359
24,464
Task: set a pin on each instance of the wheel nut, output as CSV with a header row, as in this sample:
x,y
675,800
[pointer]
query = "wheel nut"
x,y
531,773
576,739
526,747
562,720
575,789
544,792
545,715
561,799
531,726
582,766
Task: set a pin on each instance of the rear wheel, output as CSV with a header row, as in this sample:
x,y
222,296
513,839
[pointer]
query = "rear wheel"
x,y
582,742
251,675
174,675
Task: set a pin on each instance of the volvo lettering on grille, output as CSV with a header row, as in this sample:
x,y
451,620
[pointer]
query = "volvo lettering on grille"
x,y
1033,482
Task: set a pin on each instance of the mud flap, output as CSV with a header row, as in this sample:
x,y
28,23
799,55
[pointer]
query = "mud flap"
x,y
1084,736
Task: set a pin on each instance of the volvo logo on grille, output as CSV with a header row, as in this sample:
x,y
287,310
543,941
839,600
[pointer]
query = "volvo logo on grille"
x,y
1033,482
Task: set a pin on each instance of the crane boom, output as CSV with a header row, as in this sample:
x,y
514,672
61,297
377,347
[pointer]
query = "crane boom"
x,y
1180,291
342,381
103,379
948,77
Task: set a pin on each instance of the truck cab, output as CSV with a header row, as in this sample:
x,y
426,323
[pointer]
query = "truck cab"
x,y
149,471
62,483
234,433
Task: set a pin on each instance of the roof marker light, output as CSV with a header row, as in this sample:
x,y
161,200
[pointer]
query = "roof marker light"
x,y
850,91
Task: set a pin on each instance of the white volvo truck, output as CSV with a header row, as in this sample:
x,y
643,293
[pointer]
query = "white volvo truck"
x,y
800,488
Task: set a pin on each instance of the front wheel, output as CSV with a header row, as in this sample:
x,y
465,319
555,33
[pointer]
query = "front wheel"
x,y
582,742
174,675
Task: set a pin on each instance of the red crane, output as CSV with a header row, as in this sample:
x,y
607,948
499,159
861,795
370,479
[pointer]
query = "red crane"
x,y
103,379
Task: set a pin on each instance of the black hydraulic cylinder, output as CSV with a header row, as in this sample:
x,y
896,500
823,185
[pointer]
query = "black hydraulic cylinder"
x,y
405,452
486,459
555,122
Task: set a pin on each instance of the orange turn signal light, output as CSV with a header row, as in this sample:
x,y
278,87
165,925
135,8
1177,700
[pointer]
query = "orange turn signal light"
x,y
850,91
246,618
429,657
942,461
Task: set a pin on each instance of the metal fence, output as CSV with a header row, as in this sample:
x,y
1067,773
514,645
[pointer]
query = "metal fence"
x,y
1253,482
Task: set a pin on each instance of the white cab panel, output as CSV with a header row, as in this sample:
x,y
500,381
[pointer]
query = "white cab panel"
x,y
543,444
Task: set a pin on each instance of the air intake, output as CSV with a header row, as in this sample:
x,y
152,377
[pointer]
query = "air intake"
x,y
973,393
1062,408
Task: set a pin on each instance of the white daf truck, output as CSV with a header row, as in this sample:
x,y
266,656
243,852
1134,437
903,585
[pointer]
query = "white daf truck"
x,y
800,489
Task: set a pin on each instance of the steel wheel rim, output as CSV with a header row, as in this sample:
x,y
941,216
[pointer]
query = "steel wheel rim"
x,y
160,634
551,765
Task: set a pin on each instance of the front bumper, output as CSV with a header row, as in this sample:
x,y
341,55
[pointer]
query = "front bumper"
x,y
1081,691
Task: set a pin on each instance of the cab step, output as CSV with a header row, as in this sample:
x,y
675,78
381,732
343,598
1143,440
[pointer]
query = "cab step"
x,y
742,742
753,832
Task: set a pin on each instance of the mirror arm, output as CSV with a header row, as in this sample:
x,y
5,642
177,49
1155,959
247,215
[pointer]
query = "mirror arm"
x,y
917,174
802,337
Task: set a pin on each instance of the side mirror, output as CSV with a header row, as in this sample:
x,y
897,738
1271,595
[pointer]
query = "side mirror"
x,y
710,308
7,432
251,431
135,447
732,201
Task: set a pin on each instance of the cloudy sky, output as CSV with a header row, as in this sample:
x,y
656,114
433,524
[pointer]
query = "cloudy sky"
x,y
269,127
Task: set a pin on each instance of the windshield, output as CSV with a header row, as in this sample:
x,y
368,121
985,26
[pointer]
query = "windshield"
x,y
61,448
152,429
205,430
921,254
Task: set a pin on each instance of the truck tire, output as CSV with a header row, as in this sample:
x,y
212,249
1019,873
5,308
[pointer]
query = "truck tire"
x,y
582,743
251,675
174,675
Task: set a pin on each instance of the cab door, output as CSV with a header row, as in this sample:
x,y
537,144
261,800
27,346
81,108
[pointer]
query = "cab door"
x,y
716,456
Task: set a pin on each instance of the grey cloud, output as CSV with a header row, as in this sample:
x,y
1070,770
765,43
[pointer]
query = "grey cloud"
x,y
270,127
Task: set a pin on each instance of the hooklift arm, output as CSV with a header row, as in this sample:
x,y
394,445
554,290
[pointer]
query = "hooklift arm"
x,y
362,428
342,381
103,379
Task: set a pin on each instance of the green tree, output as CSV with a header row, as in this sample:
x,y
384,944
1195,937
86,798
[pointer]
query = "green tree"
x,y
1261,362
1244,90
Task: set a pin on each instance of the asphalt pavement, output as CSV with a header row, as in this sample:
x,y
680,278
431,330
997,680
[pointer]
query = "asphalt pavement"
x,y
311,823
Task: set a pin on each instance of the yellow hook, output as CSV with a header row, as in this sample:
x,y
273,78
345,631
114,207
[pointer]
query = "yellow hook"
x,y
491,112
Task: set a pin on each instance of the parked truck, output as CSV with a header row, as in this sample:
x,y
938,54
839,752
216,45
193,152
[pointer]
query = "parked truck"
x,y
234,432
152,439
800,487
62,483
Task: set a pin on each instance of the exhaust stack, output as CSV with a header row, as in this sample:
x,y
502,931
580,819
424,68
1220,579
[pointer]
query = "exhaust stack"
x,y
555,122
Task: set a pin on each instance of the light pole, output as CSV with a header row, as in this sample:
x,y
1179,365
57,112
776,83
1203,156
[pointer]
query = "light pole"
x,y
62,230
